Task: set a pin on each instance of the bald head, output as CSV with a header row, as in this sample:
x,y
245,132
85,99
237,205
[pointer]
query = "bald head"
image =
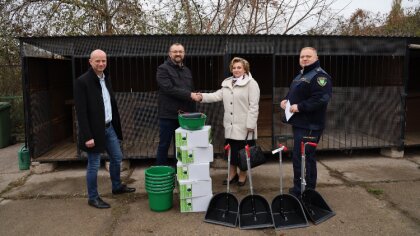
x,y
308,56
98,61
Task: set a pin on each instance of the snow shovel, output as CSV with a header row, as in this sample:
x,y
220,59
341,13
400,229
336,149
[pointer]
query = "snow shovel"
x,y
317,210
254,210
223,207
286,209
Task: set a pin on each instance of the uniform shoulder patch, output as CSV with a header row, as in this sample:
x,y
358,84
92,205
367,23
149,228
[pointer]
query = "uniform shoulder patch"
x,y
322,81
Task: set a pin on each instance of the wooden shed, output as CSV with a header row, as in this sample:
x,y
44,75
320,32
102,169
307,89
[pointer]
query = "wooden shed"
x,y
375,95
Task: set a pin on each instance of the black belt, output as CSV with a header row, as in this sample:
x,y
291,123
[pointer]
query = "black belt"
x,y
107,124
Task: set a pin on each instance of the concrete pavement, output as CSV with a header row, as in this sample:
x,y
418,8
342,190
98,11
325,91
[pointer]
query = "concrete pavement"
x,y
371,195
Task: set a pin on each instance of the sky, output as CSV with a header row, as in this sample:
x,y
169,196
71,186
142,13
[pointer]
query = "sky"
x,y
382,6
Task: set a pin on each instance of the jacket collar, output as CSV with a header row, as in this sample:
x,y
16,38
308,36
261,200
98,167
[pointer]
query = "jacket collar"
x,y
173,64
94,75
228,81
312,66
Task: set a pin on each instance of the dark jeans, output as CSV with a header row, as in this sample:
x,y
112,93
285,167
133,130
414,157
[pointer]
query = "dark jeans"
x,y
167,129
311,171
94,160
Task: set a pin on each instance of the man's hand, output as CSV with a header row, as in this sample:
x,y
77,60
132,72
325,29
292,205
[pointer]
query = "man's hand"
x,y
283,104
196,97
90,143
294,108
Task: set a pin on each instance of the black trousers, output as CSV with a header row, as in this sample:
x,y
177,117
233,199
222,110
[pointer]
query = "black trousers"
x,y
235,146
311,170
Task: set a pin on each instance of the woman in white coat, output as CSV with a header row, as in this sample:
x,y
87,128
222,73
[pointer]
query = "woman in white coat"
x,y
240,94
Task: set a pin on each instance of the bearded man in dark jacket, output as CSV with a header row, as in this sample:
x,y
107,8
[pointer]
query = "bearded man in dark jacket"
x,y
175,94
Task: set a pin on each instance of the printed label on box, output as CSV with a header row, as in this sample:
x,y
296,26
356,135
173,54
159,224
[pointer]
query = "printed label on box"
x,y
195,155
193,138
196,188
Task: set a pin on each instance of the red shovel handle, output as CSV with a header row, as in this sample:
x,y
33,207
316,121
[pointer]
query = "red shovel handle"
x,y
312,144
282,146
302,145
247,151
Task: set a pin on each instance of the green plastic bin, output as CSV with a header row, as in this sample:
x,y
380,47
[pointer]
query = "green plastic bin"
x,y
4,124
24,160
160,201
160,172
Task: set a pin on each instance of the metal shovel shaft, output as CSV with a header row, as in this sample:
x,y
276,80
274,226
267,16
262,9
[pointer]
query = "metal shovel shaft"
x,y
303,164
228,178
281,173
248,164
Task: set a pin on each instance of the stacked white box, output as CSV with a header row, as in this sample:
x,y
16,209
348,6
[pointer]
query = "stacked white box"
x,y
194,152
194,155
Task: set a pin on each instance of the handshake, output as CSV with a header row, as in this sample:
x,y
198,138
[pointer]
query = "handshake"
x,y
197,97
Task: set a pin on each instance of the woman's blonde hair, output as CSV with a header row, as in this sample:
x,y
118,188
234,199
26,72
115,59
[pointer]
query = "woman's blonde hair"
x,y
244,62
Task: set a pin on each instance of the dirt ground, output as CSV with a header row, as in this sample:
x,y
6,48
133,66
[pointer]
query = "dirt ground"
x,y
370,194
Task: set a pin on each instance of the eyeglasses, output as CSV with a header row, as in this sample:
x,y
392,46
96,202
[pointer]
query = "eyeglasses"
x,y
175,52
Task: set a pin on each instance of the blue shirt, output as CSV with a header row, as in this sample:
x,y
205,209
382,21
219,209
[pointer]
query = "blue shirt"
x,y
107,100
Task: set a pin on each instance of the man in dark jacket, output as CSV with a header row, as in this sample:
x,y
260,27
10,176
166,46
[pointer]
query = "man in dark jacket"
x,y
175,94
308,97
99,126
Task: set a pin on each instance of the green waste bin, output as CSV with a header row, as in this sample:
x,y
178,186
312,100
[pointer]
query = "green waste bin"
x,y
4,124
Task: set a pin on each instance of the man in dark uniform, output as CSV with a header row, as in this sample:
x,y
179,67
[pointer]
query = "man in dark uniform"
x,y
309,94
99,126
175,94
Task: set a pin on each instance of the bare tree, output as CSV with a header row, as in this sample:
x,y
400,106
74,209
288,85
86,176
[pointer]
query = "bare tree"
x,y
70,17
92,17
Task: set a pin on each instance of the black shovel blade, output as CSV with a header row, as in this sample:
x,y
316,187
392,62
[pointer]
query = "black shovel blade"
x,y
317,210
223,210
288,212
254,213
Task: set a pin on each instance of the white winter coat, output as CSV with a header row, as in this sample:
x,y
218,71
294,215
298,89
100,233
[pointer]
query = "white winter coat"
x,y
240,104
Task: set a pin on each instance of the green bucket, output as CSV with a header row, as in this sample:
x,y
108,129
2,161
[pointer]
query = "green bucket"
x,y
160,172
192,121
159,189
159,181
160,201
164,185
24,159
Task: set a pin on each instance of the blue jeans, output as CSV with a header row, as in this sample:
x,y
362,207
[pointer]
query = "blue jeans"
x,y
311,170
167,129
94,160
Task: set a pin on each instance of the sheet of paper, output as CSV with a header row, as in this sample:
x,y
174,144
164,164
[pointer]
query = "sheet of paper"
x,y
287,111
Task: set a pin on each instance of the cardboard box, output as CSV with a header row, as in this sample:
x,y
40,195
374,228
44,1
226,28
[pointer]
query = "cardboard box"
x,y
194,155
193,138
196,188
195,204
199,171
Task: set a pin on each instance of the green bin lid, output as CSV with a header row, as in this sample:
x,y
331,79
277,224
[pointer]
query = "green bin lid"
x,y
4,105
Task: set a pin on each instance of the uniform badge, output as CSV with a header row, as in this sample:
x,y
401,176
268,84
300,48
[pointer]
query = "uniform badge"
x,y
322,81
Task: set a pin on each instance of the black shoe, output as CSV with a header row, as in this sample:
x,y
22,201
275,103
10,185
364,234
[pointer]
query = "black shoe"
x,y
123,189
99,203
240,184
232,181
